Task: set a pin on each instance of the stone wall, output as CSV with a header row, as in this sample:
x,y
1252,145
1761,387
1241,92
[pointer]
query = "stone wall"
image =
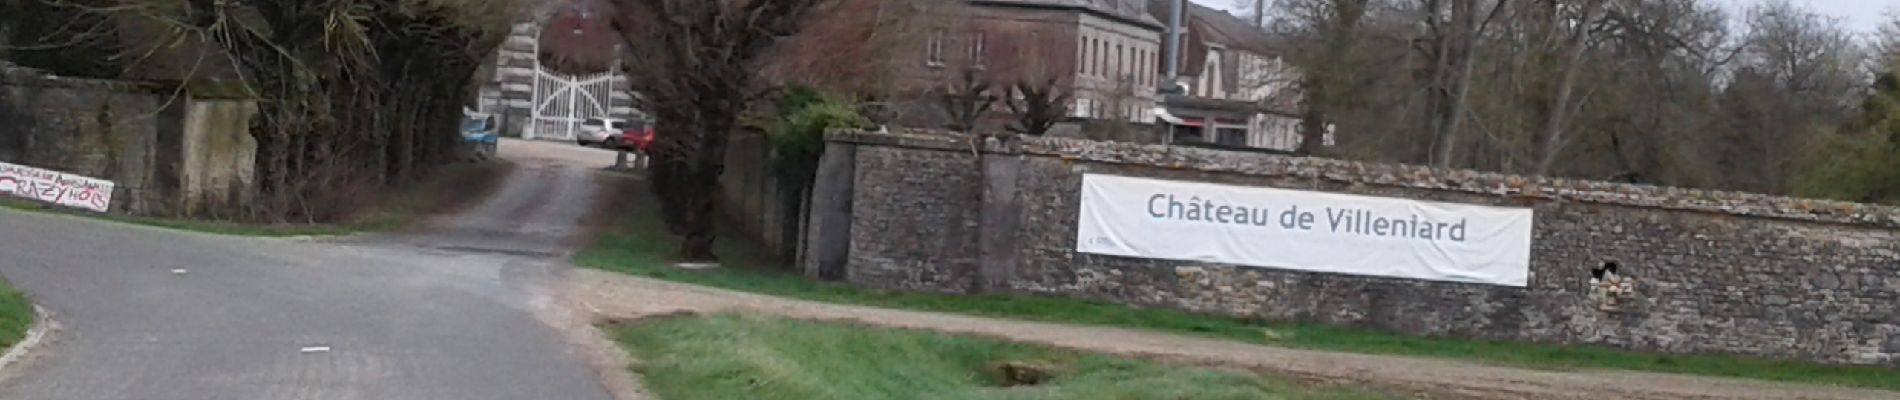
x,y
750,195
167,155
1701,271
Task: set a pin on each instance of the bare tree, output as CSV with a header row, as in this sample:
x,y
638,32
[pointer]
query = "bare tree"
x,y
856,47
694,65
1886,43
1586,22
1324,85
1676,92
1797,75
1038,106
1118,101
1454,49
968,101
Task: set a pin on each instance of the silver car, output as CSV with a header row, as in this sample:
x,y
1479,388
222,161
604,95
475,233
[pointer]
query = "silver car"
x,y
596,131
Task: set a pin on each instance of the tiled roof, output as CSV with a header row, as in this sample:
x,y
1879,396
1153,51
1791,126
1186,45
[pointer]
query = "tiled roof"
x,y
1228,30
1132,10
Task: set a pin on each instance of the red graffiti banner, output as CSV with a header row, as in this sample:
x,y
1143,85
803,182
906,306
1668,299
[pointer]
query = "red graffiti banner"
x,y
56,187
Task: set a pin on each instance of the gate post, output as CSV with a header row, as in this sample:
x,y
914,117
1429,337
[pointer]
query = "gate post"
x,y
829,237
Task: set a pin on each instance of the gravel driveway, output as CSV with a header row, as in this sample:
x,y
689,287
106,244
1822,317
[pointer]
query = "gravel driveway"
x,y
449,312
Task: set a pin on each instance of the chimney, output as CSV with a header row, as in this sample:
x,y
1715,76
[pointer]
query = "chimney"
x,y
1259,13
1173,63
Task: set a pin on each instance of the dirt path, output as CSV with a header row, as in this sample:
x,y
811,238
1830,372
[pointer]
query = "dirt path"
x,y
610,296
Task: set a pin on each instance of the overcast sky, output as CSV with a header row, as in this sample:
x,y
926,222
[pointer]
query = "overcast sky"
x,y
1862,16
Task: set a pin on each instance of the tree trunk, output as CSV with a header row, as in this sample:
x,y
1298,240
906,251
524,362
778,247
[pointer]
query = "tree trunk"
x,y
1313,122
1553,136
698,213
1436,82
1454,110
1324,87
1462,49
699,208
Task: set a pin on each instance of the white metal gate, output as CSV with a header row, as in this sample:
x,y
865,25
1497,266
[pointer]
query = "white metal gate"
x,y
562,102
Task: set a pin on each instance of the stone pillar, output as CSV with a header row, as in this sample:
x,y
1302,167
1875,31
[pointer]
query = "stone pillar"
x,y
829,241
1000,219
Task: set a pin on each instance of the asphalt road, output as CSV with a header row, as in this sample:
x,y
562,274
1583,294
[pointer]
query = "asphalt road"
x,y
446,313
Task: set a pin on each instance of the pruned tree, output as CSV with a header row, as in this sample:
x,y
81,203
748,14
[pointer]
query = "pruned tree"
x,y
1118,123
1038,106
346,106
695,62
968,100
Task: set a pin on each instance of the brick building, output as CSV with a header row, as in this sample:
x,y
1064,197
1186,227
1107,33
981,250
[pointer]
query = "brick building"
x,y
1104,50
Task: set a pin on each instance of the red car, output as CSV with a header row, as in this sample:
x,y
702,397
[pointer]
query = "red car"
x,y
635,139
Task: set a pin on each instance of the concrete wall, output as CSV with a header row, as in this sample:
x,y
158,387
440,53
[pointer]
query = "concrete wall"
x,y
168,156
101,129
1705,271
219,157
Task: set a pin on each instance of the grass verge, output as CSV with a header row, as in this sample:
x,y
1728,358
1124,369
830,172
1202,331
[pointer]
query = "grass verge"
x,y
16,316
639,245
448,189
748,357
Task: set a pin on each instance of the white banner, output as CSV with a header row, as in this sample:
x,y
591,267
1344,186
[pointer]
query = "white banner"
x,y
1301,230
56,187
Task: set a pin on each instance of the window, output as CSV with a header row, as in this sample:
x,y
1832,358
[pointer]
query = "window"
x,y
935,49
976,49
1231,137
1087,50
1120,72
1148,67
1141,66
1101,55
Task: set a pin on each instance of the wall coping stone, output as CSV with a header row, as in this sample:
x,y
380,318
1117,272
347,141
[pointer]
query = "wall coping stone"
x,y
1393,175
13,74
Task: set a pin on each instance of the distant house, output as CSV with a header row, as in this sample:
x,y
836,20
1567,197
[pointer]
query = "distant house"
x,y
1237,90
558,67
1102,50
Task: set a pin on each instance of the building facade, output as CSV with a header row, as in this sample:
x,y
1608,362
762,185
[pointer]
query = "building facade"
x,y
1236,91
1103,51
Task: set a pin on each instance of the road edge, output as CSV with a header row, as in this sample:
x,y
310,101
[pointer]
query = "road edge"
x,y
43,326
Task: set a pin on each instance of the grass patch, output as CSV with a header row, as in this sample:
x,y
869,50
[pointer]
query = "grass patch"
x,y
639,245
446,190
747,357
16,316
